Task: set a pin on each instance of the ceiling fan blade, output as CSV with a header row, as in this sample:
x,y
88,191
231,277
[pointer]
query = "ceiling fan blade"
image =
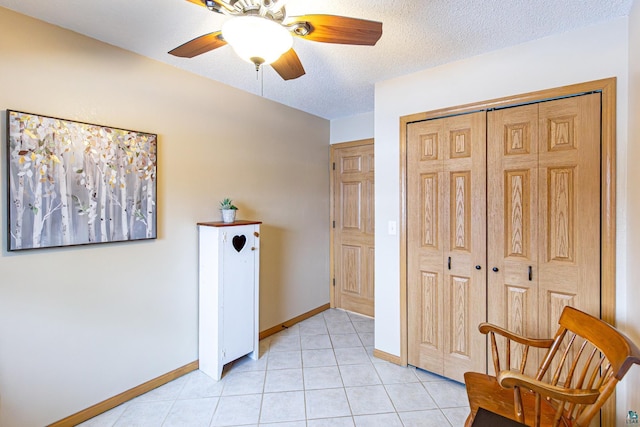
x,y
198,2
288,65
199,45
339,29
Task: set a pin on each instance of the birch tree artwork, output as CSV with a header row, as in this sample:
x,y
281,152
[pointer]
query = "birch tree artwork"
x,y
73,183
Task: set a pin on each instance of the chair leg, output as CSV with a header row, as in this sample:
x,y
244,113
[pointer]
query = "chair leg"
x,y
469,421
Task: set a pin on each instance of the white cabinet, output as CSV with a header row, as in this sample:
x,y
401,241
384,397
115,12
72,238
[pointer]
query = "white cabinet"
x,y
229,260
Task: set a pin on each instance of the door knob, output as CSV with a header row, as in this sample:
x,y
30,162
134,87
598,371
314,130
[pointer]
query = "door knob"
x,y
496,269
478,267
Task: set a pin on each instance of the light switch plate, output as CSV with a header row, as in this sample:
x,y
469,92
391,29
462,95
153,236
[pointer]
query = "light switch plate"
x,y
392,228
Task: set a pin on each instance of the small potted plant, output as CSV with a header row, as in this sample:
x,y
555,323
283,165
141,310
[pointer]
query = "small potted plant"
x,y
228,210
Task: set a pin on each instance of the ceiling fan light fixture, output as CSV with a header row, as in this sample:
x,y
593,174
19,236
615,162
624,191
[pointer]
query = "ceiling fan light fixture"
x,y
257,40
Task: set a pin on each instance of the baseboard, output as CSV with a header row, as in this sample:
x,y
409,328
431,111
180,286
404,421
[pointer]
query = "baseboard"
x,y
388,357
290,323
119,399
125,396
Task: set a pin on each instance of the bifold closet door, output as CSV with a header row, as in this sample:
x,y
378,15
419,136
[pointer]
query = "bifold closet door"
x,y
536,189
543,201
513,219
446,253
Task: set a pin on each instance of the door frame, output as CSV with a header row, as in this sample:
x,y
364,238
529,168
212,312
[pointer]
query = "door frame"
x,y
607,89
332,219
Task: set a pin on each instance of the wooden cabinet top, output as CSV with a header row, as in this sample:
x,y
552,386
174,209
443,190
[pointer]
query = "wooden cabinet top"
x,y
228,224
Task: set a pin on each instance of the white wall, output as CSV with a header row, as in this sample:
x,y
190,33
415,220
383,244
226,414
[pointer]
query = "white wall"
x,y
632,325
587,54
353,128
80,325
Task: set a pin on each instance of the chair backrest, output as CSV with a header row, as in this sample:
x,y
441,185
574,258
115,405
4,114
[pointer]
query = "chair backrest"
x,y
587,354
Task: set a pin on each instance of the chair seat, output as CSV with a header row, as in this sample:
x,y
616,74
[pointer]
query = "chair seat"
x,y
485,418
485,392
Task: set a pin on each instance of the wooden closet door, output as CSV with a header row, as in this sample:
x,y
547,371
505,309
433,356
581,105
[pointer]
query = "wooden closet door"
x,y
569,176
544,214
425,252
446,222
513,217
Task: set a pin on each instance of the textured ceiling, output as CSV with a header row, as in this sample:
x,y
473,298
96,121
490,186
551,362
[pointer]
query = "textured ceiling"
x,y
340,79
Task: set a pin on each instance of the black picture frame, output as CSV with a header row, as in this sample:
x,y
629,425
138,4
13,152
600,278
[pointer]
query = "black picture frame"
x,y
74,183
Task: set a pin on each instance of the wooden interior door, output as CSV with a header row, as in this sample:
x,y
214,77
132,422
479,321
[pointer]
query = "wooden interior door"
x,y
544,213
353,236
446,253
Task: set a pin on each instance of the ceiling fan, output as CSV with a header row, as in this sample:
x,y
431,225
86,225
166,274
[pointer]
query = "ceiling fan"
x,y
261,32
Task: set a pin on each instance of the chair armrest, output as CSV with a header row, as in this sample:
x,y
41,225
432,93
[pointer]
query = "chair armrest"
x,y
485,328
510,379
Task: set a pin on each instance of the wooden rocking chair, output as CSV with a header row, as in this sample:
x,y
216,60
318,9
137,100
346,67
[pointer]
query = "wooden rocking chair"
x,y
581,367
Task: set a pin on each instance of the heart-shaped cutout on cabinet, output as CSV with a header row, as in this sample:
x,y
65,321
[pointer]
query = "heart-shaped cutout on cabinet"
x,y
239,242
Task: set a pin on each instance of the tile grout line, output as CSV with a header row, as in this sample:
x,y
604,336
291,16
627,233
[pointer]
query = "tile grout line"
x,y
174,402
348,350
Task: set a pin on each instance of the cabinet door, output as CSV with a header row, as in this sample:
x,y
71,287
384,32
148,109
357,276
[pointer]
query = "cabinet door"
x,y
446,241
238,291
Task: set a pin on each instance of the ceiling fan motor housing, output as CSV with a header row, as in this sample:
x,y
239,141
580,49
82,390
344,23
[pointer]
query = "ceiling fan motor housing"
x,y
269,9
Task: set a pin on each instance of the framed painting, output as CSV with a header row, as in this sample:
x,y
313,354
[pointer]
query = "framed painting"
x,y
73,183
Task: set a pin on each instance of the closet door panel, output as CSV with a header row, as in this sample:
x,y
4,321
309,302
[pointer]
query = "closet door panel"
x,y
446,219
425,252
512,221
569,180
465,244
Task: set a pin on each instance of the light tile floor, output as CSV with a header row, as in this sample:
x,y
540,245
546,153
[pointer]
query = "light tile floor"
x,y
319,373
